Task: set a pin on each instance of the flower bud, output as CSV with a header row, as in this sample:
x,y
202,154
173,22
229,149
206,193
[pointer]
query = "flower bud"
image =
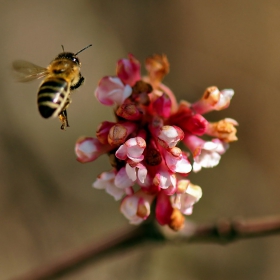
x,y
157,67
195,124
162,106
213,99
119,132
112,91
129,112
163,209
89,149
133,149
177,220
103,131
137,207
128,70
224,130
106,181
169,136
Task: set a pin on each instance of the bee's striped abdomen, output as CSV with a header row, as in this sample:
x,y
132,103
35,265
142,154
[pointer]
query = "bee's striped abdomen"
x,y
52,96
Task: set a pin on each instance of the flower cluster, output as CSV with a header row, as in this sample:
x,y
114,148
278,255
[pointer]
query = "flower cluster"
x,y
148,166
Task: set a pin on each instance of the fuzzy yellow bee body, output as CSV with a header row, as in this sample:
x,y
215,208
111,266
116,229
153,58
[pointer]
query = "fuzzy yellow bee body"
x,y
62,76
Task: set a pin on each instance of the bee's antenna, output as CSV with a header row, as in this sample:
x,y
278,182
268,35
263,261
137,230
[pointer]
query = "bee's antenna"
x,y
83,49
62,48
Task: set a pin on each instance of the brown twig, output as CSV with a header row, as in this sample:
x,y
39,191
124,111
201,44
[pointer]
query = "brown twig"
x,y
228,230
222,232
124,239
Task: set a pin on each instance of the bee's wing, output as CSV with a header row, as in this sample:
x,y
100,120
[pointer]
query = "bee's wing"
x,y
26,71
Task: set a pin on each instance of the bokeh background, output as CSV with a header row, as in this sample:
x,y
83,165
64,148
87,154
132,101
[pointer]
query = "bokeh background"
x,y
47,204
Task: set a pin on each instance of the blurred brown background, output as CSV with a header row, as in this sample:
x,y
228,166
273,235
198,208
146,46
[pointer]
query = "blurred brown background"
x,y
47,205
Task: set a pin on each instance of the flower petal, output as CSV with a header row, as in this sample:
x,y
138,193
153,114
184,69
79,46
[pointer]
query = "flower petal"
x,y
88,149
128,70
122,179
111,90
163,209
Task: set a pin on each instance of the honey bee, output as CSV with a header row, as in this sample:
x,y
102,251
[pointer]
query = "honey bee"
x,y
61,77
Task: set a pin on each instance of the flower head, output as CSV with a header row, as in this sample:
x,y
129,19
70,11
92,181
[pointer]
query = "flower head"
x,y
143,143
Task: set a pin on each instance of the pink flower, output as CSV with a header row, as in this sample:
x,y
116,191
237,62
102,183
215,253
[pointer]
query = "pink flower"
x,y
106,180
112,91
195,124
119,132
213,99
143,142
184,201
129,111
136,172
205,153
137,207
103,130
89,149
162,106
128,70
164,209
164,178
177,161
122,179
169,136
224,130
133,149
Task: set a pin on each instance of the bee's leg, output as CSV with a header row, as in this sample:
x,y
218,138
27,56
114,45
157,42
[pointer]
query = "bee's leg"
x,y
79,83
63,118
63,115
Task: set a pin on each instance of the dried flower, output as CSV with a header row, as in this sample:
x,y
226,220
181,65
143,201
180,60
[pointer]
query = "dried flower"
x,y
148,165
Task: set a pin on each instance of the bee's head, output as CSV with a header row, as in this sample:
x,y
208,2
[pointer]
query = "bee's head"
x,y
71,56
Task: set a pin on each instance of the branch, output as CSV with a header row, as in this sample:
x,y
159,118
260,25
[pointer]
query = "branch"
x,y
222,232
228,230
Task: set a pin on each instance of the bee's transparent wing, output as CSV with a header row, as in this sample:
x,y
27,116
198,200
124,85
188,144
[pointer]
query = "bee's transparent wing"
x,y
26,71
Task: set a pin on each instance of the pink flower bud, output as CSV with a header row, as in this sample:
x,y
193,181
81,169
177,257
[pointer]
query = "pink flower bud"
x,y
177,161
112,91
129,112
119,132
102,131
213,99
163,209
133,149
157,67
205,153
137,207
182,114
155,126
140,93
164,177
185,201
195,124
137,172
162,106
89,149
224,130
106,181
128,70
169,136
122,180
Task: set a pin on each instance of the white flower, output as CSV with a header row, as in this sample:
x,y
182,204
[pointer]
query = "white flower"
x,y
106,180
210,154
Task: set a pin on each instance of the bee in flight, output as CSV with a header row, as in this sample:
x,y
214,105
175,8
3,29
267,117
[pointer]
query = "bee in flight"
x,y
61,77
